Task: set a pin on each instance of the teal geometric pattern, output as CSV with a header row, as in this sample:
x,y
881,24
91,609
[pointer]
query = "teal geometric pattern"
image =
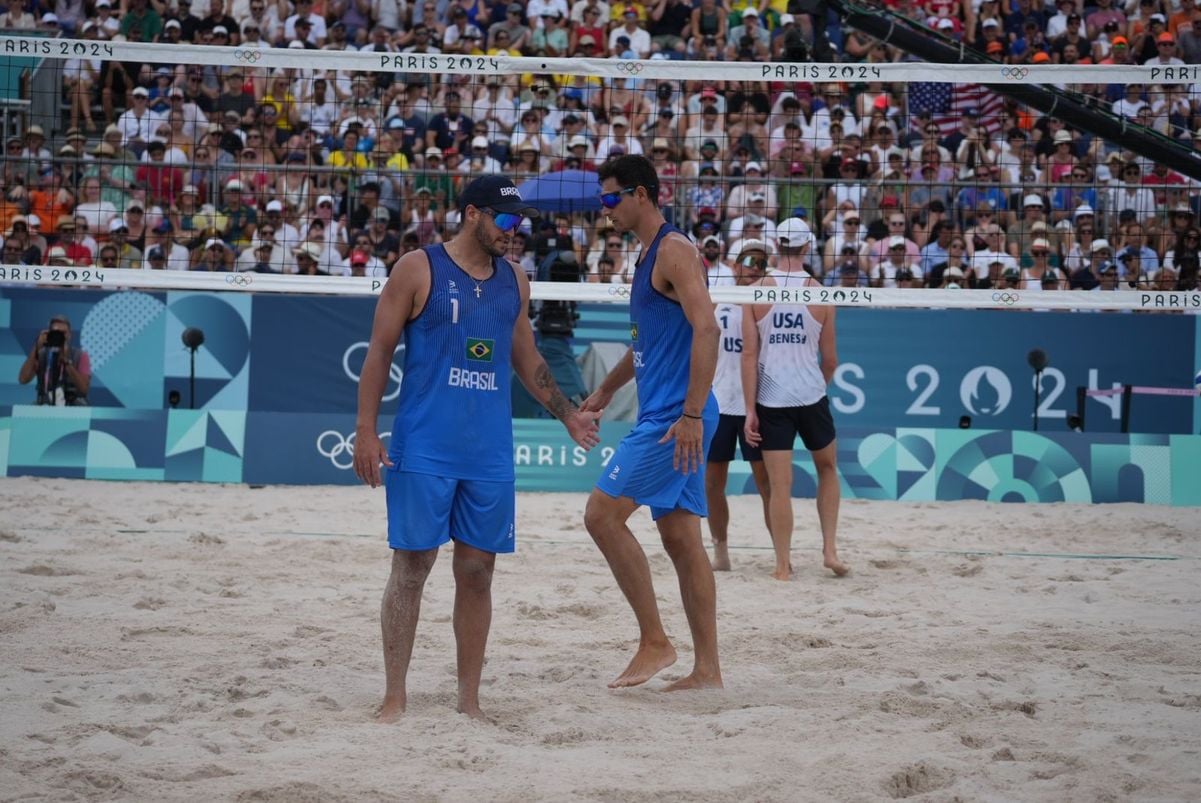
x,y
223,362
903,464
86,442
206,446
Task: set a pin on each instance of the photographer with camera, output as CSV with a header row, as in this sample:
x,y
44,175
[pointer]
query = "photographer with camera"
x,y
64,374
555,321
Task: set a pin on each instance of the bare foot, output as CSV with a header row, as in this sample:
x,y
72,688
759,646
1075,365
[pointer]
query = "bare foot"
x,y
646,663
390,710
721,556
839,568
474,712
783,573
696,681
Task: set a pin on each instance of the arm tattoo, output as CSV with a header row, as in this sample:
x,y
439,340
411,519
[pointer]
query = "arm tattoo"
x,y
558,404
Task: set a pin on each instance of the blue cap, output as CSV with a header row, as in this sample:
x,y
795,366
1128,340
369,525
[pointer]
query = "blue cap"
x,y
495,192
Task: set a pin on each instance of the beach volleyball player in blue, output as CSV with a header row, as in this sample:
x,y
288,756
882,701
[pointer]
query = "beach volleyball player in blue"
x,y
449,466
661,463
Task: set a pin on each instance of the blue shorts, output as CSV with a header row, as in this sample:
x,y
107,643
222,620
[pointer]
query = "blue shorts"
x,y
426,511
642,469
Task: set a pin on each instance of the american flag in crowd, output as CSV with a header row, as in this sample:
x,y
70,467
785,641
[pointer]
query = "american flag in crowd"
x,y
947,103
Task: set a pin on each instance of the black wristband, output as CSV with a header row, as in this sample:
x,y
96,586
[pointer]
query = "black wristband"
x,y
693,417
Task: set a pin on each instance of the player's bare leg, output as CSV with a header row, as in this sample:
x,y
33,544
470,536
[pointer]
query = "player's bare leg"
x,y
473,618
681,535
829,497
719,513
763,486
398,620
605,518
778,465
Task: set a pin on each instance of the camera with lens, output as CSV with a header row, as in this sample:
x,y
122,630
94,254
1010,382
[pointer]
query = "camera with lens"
x,y
56,339
558,317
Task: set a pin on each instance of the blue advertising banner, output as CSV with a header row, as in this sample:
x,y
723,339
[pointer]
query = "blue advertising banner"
x,y
903,368
312,448
308,354
898,368
133,341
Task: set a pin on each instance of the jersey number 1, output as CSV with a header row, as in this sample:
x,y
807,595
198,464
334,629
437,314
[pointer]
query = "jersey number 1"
x,y
454,310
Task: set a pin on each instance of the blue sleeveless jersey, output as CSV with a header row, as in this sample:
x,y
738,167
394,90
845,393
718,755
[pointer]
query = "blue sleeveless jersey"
x,y
455,415
662,341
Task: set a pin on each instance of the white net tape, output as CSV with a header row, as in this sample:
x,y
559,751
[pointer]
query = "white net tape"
x,y
895,72
618,293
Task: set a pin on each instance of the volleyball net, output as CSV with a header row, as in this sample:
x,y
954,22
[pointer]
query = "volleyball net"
x,y
289,169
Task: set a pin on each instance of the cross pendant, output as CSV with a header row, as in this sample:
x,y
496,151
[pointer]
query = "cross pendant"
x,y
478,291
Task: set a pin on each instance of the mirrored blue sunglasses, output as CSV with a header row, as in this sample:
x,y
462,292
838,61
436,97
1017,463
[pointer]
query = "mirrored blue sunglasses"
x,y
505,221
609,200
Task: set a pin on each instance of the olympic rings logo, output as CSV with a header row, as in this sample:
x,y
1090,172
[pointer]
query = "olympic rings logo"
x,y
395,373
619,291
249,56
1015,73
629,67
239,279
339,448
1006,298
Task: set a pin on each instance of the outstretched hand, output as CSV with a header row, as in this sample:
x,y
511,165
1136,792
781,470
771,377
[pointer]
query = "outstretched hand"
x,y
689,435
597,402
583,427
369,453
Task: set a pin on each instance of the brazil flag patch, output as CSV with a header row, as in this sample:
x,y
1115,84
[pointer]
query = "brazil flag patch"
x,y
479,349
633,331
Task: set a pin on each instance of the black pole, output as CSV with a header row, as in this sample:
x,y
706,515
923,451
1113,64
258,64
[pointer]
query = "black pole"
x,y
192,383
1127,395
1081,396
1038,386
1071,107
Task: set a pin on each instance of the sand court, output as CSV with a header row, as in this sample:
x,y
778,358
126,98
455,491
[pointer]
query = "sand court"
x,y
184,642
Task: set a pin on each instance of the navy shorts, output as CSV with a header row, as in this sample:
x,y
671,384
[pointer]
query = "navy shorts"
x,y
642,469
730,431
426,511
779,426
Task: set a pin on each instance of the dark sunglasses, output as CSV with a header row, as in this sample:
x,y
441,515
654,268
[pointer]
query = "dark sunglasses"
x,y
505,221
610,200
754,262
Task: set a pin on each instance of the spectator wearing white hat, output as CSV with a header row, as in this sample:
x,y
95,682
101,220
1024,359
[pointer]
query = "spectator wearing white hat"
x,y
213,256
480,161
884,273
618,136
738,202
273,220
720,273
307,260
138,123
749,41
756,212
1023,231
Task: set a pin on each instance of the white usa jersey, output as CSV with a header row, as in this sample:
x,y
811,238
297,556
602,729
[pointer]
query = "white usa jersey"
x,y
789,370
727,381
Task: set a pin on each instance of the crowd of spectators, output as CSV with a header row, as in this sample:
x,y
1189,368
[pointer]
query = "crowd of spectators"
x,y
186,166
